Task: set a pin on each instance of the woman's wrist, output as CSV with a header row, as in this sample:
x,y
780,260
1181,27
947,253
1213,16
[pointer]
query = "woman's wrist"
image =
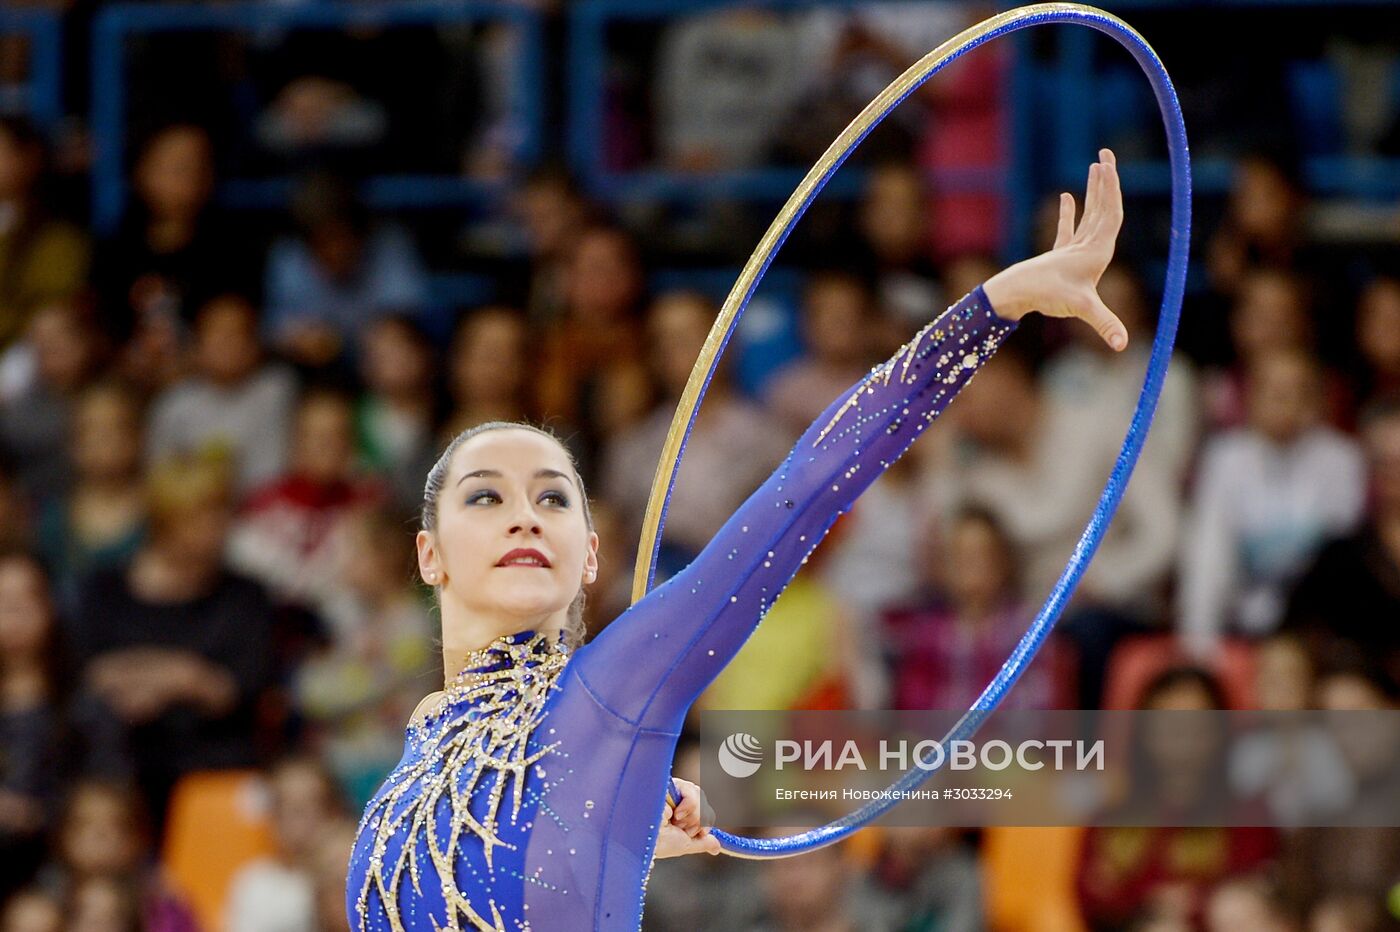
x,y
1004,294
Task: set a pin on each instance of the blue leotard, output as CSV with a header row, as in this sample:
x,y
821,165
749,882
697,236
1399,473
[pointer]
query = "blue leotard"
x,y
530,797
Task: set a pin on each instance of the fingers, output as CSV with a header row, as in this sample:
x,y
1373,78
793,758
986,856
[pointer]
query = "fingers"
x,y
1091,200
1064,231
1105,322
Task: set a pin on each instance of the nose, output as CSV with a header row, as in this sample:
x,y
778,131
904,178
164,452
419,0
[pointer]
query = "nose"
x,y
526,521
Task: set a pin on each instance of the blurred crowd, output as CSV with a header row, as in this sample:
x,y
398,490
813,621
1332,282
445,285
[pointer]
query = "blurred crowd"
x,y
213,438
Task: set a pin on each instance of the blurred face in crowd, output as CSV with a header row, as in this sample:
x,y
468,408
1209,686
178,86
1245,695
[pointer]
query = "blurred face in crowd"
x,y
1285,395
101,904
26,614
1283,675
836,312
338,247
677,327
1176,753
100,835
303,803
175,175
605,278
1270,314
31,911
19,167
323,444
1368,743
1378,326
107,435
397,361
978,565
892,214
190,511
991,410
505,490
1263,202
965,273
1382,437
802,892
226,347
552,214
1244,904
63,346
488,357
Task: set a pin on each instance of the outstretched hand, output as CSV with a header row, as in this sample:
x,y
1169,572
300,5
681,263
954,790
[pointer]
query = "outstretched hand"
x,y
1064,281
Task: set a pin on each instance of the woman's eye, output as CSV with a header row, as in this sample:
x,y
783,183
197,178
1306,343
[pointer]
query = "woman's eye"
x,y
483,495
558,498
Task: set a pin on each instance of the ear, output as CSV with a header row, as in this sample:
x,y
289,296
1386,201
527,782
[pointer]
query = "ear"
x,y
430,565
590,560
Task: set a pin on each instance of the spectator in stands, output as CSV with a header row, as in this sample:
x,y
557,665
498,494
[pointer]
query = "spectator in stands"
x,y
1270,313
1038,463
823,891
32,910
1088,373
732,449
932,877
41,259
278,892
100,521
173,252
103,864
340,271
1166,874
1267,497
397,412
1263,225
35,423
724,80
592,375
487,370
358,693
838,316
1351,593
29,721
1322,866
947,648
290,534
1378,337
553,212
176,644
235,400
893,251
106,904
1251,902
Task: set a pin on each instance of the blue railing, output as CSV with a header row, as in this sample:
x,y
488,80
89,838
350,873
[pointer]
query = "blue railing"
x,y
41,96
116,23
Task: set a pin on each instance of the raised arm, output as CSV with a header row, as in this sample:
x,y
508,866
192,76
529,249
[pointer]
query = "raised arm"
x,y
650,664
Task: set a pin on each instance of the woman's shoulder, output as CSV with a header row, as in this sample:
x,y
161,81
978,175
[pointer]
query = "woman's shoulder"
x,y
429,703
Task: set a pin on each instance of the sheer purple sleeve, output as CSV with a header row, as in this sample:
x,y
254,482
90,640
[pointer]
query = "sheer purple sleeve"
x,y
649,665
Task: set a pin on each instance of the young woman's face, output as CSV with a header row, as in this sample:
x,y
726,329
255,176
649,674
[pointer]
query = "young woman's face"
x,y
509,491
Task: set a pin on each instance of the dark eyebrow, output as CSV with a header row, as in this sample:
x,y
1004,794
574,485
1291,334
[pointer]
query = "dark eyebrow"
x,y
495,474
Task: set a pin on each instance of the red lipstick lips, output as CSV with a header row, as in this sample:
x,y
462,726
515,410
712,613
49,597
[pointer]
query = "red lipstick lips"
x,y
524,557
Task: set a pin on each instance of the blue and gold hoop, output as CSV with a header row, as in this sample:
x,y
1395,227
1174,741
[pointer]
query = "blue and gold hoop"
x,y
753,271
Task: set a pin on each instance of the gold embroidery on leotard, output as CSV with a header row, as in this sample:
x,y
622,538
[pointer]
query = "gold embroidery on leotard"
x,y
484,722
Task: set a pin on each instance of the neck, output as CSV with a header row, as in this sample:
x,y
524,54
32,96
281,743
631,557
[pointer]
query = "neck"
x,y
465,631
168,235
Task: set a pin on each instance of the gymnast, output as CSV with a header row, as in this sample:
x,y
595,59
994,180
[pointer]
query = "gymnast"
x,y
534,791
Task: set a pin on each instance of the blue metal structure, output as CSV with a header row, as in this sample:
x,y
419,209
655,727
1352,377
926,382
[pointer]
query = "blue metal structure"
x,y
41,97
